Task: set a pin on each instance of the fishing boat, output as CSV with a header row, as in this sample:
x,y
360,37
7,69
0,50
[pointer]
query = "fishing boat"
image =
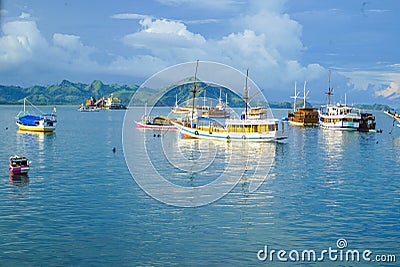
x,y
42,123
253,125
18,165
303,116
338,116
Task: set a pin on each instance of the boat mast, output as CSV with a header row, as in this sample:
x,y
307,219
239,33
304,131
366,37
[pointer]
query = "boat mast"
x,y
329,93
24,105
305,94
204,100
194,90
296,95
246,93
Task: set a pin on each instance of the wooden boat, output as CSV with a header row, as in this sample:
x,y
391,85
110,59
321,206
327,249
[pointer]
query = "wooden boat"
x,y
43,123
367,122
18,165
304,116
253,125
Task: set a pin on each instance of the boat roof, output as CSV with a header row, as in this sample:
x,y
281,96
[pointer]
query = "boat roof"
x,y
17,157
29,119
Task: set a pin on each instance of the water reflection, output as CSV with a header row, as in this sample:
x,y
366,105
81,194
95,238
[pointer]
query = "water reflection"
x,y
18,180
26,139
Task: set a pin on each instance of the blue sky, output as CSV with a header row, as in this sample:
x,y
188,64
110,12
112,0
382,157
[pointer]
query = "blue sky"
x,y
121,41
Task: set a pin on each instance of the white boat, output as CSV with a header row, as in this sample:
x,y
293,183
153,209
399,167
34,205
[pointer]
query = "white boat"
x,y
36,123
253,125
338,116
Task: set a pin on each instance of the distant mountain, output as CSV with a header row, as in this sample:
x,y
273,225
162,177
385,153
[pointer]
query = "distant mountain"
x,y
65,93
288,105
70,93
374,107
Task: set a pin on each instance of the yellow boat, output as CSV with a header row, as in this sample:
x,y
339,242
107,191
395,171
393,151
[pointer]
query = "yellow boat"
x,y
33,123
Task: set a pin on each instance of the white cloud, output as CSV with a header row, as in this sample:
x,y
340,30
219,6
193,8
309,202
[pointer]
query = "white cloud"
x,y
391,92
25,52
24,15
20,41
267,41
163,35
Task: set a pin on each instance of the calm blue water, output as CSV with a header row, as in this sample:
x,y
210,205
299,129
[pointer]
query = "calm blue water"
x,y
81,207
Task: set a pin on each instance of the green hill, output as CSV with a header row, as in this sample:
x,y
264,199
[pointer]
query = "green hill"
x,y
64,93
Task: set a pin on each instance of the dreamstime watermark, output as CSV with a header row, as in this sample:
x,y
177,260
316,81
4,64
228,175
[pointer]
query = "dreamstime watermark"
x,y
338,253
149,162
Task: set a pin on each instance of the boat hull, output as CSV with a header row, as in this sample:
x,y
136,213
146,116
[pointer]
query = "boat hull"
x,y
303,117
43,129
271,136
141,125
303,124
338,128
19,170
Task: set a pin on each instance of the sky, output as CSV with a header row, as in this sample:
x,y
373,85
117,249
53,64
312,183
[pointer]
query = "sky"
x,y
281,42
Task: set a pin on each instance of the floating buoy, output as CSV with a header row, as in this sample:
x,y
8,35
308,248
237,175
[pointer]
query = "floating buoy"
x,y
154,135
158,135
6,128
114,149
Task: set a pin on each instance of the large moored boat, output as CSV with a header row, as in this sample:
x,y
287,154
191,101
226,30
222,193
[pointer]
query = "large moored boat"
x,y
338,116
253,125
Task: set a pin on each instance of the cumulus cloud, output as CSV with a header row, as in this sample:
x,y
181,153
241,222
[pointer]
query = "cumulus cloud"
x,y
25,52
391,92
265,39
163,35
20,41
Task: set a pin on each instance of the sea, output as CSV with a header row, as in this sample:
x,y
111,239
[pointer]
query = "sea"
x,y
101,192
